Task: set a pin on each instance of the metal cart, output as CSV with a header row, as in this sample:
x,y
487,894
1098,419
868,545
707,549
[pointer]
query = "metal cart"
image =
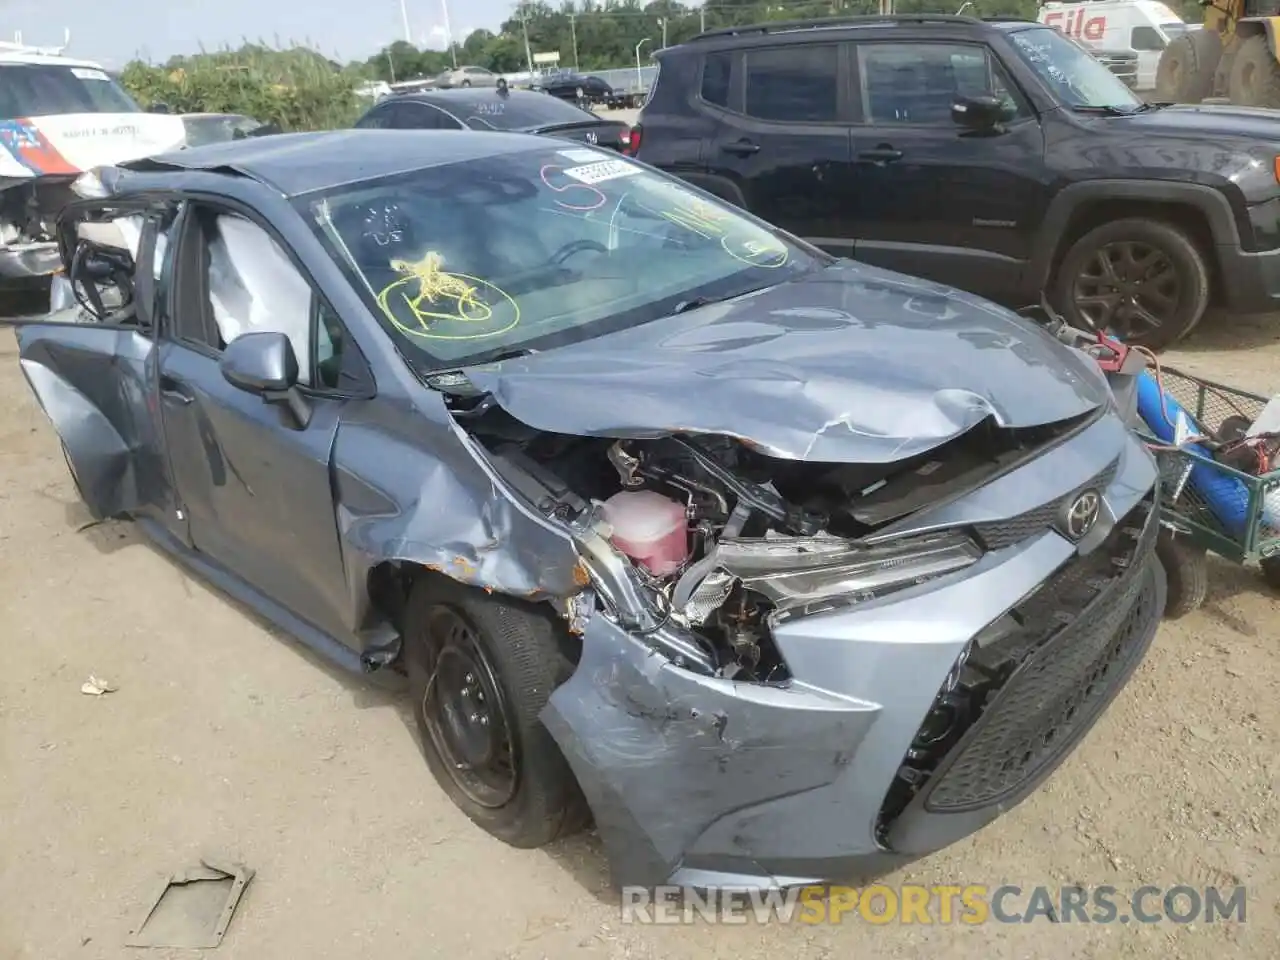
x,y
1191,528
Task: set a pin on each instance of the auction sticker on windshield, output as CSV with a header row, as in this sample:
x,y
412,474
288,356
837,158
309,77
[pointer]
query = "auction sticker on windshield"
x,y
580,156
602,171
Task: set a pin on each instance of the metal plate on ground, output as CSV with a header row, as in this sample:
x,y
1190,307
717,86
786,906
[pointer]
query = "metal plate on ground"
x,y
193,908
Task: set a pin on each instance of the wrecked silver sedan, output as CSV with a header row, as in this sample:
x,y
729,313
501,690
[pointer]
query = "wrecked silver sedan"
x,y
781,568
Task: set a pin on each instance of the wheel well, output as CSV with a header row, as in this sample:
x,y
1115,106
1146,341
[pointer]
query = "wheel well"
x,y
391,581
1183,216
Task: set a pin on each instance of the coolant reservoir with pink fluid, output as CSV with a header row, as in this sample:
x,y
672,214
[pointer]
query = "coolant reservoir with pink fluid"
x,y
650,529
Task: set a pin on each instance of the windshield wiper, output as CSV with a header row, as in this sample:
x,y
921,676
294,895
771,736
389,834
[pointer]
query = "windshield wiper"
x,y
684,306
1106,109
1153,105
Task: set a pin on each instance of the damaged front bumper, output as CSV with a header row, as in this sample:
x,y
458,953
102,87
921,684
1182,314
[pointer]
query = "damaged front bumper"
x,y
849,769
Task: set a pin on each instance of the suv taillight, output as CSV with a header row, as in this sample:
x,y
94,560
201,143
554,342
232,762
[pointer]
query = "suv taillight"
x,y
631,144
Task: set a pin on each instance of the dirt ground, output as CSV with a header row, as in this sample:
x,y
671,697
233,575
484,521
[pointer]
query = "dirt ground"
x,y
226,740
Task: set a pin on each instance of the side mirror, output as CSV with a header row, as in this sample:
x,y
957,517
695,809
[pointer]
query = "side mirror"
x,y
262,363
159,108
984,113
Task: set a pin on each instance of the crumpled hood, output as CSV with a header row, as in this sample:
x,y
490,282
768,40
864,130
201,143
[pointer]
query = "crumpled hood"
x,y
849,364
68,144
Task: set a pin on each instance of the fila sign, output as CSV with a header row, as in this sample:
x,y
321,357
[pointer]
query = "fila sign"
x,y
1075,24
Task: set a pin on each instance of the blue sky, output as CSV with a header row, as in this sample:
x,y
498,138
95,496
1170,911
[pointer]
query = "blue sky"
x,y
113,31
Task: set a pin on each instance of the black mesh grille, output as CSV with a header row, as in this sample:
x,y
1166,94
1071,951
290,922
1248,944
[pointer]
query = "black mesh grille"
x,y
1080,635
1005,533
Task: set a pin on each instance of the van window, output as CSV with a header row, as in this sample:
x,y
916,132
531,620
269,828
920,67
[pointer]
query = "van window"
x,y
1146,38
794,84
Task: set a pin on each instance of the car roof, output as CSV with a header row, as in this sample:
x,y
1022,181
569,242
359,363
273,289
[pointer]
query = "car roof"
x,y
467,95
15,57
470,99
772,32
299,163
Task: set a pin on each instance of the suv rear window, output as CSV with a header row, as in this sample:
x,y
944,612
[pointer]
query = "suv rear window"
x,y
715,79
794,83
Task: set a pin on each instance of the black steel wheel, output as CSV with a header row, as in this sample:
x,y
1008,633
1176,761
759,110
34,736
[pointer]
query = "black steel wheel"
x,y
481,668
1142,280
465,711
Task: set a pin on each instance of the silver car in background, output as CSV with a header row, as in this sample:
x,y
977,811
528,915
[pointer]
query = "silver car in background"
x,y
465,77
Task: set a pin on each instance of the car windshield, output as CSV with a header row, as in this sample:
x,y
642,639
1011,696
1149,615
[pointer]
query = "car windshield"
x,y
1072,73
515,252
1175,28
518,113
44,90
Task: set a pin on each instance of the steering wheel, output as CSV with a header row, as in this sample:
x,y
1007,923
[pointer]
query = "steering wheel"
x,y
574,247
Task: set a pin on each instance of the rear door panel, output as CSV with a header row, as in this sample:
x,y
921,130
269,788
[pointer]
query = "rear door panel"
x,y
784,141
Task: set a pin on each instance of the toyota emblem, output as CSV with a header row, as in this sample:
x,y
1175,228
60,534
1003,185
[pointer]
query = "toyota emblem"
x,y
1081,514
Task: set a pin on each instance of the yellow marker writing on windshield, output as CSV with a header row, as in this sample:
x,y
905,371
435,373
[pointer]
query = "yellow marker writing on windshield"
x,y
442,301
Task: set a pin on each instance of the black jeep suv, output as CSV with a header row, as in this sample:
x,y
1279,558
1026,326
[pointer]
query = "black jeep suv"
x,y
997,156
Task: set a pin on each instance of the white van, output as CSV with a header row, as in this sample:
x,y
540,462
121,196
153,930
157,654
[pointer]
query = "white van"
x,y
1143,27
60,116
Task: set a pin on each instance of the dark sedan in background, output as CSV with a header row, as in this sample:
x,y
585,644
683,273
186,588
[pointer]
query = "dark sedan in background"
x,y
575,87
512,111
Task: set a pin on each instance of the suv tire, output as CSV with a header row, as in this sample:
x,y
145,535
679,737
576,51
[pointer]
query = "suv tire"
x,y
1118,272
470,654
1187,67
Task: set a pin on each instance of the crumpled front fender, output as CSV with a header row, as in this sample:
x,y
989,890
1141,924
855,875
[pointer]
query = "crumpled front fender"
x,y
661,753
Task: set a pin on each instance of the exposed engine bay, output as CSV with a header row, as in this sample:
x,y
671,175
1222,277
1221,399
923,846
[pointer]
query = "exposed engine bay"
x,y
724,540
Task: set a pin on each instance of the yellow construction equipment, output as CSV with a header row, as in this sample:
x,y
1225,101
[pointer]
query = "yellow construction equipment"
x,y
1234,56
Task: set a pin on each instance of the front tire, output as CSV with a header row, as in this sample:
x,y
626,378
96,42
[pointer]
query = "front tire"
x,y
466,83
1143,280
481,668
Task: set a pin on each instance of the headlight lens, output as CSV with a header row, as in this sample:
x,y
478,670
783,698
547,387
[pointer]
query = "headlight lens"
x,y
799,571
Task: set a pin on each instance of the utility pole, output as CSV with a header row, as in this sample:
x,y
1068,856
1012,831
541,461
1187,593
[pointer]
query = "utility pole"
x,y
573,29
404,18
524,27
448,33
702,19
662,22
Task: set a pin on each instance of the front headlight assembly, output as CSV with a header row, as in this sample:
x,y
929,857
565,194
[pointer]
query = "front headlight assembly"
x,y
803,573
